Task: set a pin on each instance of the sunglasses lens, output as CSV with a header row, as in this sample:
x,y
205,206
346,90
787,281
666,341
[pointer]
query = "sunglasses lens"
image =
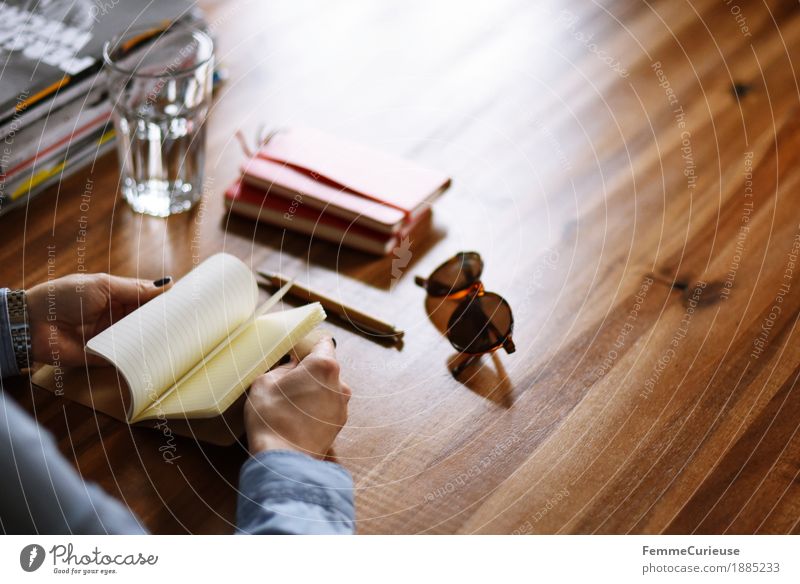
x,y
480,323
456,274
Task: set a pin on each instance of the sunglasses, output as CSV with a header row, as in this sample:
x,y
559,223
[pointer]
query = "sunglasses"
x,y
482,322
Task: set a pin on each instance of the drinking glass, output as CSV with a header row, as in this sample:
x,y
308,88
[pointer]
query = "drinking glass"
x,y
159,83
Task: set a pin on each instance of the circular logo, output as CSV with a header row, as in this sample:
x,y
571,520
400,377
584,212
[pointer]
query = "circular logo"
x,y
31,557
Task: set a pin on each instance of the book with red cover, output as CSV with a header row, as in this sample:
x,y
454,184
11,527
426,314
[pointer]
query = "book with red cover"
x,y
293,214
341,178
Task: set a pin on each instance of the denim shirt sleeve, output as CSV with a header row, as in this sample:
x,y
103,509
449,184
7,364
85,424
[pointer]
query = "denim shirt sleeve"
x,y
284,492
8,361
281,492
42,492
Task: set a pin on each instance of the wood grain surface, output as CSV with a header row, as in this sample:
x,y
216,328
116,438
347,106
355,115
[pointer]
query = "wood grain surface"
x,y
629,172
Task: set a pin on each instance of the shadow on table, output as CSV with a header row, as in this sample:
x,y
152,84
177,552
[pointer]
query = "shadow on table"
x,y
383,272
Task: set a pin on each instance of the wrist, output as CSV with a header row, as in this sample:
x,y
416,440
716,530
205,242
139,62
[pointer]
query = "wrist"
x,y
263,442
19,327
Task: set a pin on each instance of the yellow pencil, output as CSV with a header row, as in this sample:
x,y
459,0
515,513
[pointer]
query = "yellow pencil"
x,y
358,319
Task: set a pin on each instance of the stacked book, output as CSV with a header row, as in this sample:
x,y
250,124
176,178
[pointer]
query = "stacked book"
x,y
306,181
54,108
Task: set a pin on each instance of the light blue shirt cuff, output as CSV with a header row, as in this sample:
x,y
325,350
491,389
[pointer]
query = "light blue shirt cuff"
x,y
285,492
8,361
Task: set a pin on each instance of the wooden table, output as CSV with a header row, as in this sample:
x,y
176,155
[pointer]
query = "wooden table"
x,y
629,174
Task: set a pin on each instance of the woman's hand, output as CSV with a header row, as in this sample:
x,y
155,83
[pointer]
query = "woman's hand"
x,y
65,313
298,406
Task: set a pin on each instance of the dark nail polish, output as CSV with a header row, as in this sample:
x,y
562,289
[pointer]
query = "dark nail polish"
x,y
285,359
162,282
334,342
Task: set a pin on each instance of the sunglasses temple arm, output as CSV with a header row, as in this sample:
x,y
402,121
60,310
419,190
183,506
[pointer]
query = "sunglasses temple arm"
x,y
421,282
508,344
465,362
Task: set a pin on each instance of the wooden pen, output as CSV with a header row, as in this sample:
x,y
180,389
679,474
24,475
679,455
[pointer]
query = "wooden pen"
x,y
358,319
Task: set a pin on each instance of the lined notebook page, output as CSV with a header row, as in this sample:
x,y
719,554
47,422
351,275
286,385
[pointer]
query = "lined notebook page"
x,y
211,390
155,345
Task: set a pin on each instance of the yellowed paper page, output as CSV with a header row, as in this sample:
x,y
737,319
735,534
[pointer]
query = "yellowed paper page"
x,y
212,389
155,345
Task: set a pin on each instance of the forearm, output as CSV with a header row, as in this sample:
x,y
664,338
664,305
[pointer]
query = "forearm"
x,y
42,492
284,492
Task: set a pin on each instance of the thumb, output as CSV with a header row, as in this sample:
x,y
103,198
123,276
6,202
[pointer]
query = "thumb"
x,y
131,292
324,347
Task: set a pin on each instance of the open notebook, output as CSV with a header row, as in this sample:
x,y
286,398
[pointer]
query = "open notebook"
x,y
194,350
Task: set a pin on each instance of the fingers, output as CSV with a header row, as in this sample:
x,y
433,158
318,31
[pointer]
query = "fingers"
x,y
131,292
320,363
284,366
303,347
324,348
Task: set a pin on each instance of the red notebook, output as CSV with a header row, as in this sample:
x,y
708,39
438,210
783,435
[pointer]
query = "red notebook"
x,y
351,181
249,201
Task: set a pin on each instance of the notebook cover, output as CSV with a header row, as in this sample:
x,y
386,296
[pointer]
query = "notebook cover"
x,y
394,181
103,390
283,180
251,202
